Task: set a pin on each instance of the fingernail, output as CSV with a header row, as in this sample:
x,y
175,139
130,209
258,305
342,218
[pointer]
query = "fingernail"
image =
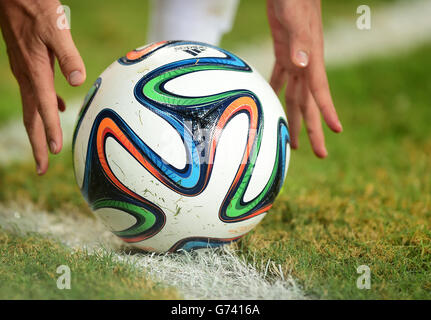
x,y
76,78
302,58
38,170
53,146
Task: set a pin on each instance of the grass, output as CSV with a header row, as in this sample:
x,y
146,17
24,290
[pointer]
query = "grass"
x,y
25,273
55,191
368,203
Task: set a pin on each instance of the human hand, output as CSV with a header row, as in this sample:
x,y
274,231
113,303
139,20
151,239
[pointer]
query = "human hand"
x,y
296,27
33,42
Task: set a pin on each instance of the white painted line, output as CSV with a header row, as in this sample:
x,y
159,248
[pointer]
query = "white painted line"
x,y
218,275
212,274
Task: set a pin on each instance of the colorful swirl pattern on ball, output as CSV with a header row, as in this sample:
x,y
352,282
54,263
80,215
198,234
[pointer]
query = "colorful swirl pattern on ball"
x,y
190,116
99,180
202,113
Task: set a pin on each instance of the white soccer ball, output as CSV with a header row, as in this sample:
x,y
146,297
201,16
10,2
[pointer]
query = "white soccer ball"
x,y
180,145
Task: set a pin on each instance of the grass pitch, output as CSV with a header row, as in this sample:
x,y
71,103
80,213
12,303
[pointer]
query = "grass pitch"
x,y
368,204
28,270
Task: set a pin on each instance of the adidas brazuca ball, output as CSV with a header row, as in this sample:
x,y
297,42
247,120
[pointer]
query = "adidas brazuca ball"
x,y
180,145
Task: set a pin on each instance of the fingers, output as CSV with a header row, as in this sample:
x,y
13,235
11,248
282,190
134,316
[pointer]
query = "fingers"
x,y
278,77
33,41
316,75
61,104
296,28
311,115
36,134
293,17
34,127
319,88
300,104
42,82
69,59
302,26
300,44
293,111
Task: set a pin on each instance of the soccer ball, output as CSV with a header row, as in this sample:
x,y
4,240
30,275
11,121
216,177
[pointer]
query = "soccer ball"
x,y
180,145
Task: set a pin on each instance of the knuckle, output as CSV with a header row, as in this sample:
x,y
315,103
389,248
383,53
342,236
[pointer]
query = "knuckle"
x,y
44,29
33,71
303,106
18,63
301,36
37,66
283,17
311,130
288,66
50,122
321,96
290,102
283,12
19,75
67,60
68,56
28,121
